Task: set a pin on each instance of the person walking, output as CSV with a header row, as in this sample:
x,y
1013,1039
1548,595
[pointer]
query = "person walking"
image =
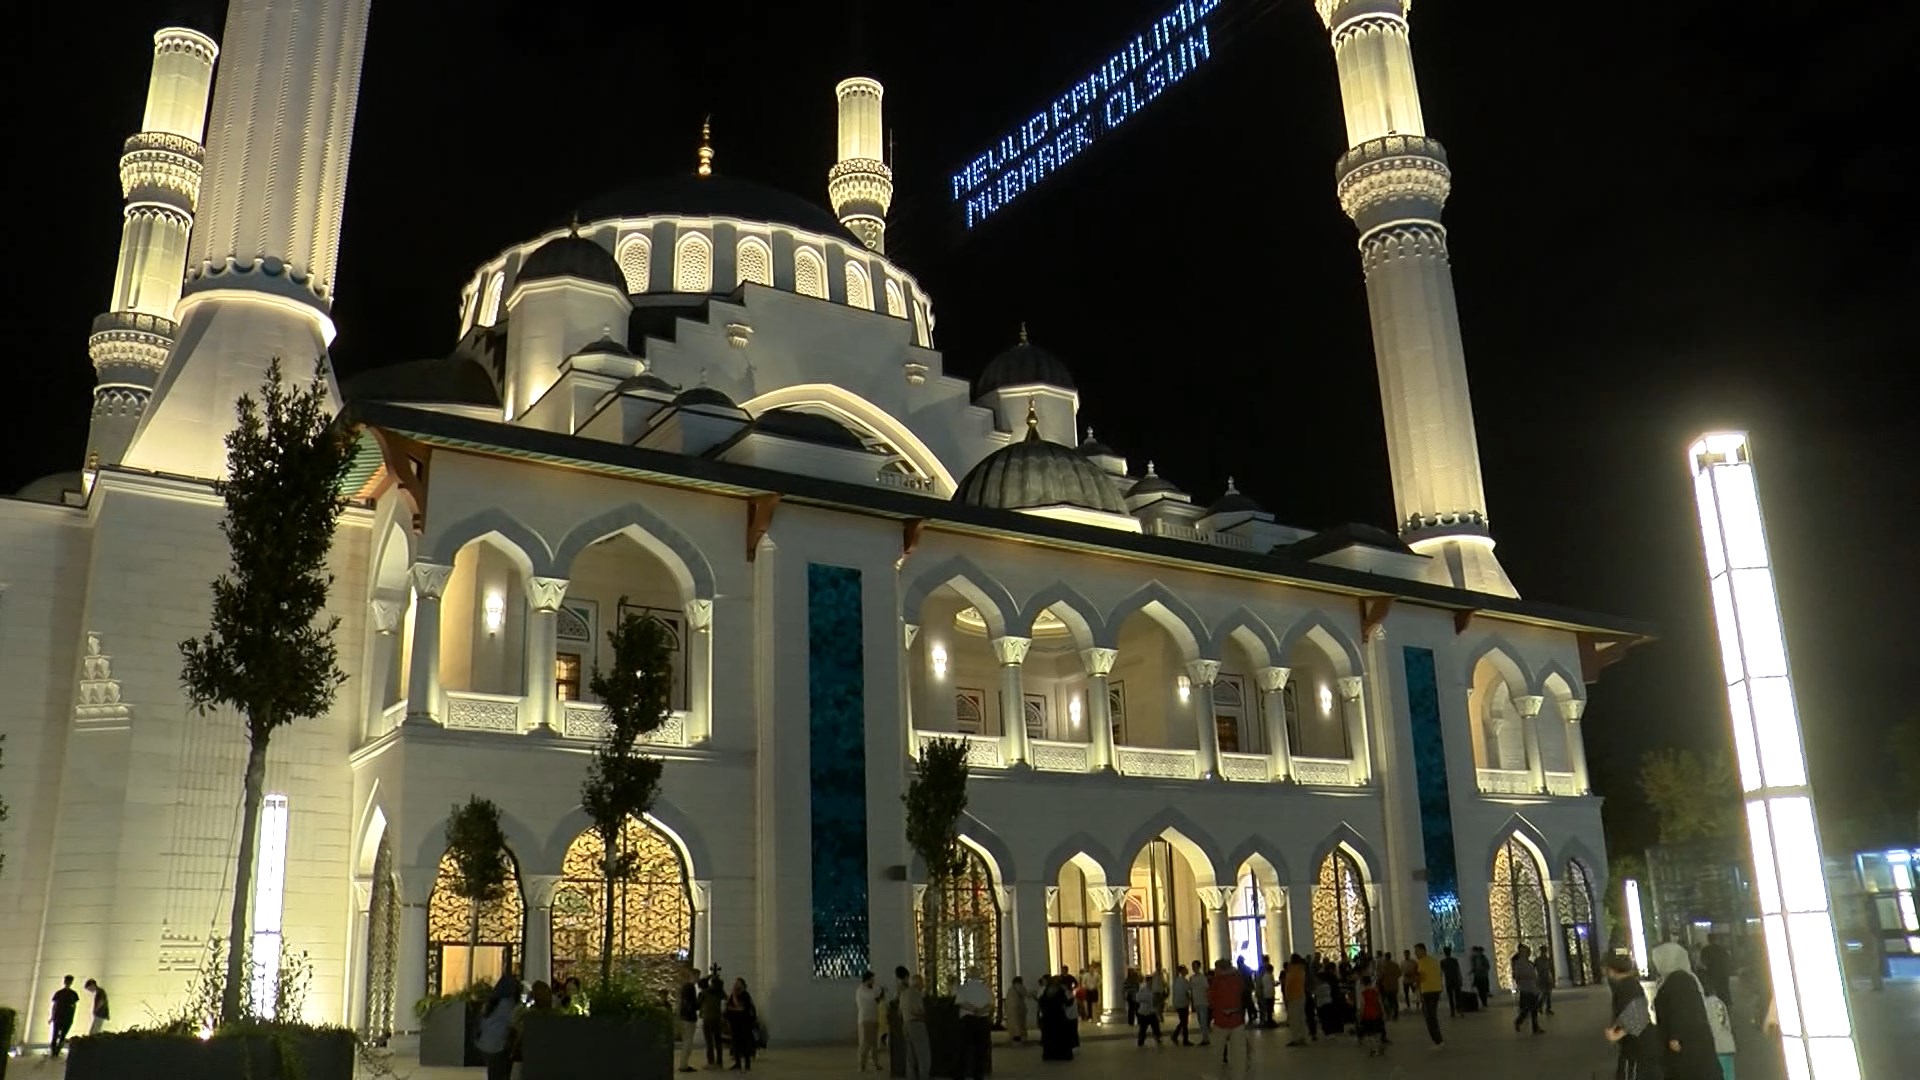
x,y
867,1000
1293,992
1526,983
1680,1003
1482,969
1082,990
100,1014
742,1025
1373,1017
1180,996
1264,987
1427,975
66,1003
1390,976
1130,986
1631,1029
688,1013
1016,1006
1450,972
1227,1003
1201,1005
1716,969
913,1019
1410,977
713,1019
975,1003
1543,963
1145,1008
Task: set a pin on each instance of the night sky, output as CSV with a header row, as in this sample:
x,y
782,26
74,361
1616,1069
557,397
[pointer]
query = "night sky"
x,y
1665,217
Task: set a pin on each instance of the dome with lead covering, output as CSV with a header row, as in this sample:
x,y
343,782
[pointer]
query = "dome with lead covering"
x,y
1034,473
573,256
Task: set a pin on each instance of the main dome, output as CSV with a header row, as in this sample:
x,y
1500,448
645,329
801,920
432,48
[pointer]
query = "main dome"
x,y
718,195
1034,473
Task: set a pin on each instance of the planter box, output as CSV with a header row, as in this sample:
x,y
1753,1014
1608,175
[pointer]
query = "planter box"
x,y
943,1035
140,1056
558,1047
447,1034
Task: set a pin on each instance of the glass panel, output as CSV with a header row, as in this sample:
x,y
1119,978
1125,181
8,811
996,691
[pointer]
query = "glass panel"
x,y
566,676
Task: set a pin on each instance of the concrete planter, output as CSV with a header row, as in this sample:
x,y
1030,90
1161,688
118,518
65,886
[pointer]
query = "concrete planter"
x,y
558,1047
447,1034
293,1054
943,1034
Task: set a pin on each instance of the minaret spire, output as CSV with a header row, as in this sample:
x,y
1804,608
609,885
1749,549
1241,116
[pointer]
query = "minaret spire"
x,y
1393,181
860,184
706,146
160,179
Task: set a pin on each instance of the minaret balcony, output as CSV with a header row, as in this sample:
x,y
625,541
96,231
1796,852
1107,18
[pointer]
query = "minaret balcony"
x,y
1394,176
131,338
156,166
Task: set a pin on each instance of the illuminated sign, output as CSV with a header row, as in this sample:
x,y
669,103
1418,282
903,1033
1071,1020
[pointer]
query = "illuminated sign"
x,y
1158,57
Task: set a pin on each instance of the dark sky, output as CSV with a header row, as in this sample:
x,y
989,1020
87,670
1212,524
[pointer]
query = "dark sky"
x,y
1665,217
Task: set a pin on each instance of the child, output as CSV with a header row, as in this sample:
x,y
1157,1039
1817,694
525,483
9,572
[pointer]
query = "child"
x,y
1372,1028
1721,1022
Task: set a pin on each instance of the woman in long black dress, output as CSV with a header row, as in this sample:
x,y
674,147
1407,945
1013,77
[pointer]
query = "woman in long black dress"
x,y
1632,1027
1681,1008
1056,1029
742,1022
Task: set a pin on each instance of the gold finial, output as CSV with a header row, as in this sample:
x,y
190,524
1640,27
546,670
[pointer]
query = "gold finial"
x,y
1033,420
573,227
1023,332
706,146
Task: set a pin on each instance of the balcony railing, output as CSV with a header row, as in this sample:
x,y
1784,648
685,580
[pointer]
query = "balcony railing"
x,y
588,720
468,710
1324,772
1159,764
1247,768
1146,762
1067,757
1562,783
983,751
1506,782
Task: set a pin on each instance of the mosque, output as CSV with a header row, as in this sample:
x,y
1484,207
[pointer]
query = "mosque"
x,y
1194,731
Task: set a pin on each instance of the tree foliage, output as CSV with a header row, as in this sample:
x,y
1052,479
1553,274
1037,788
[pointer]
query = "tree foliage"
x,y
1695,797
478,847
622,782
268,653
935,800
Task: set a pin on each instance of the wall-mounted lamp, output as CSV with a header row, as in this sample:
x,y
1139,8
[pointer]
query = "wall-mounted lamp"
x,y
939,655
1326,699
496,612
1184,687
1073,711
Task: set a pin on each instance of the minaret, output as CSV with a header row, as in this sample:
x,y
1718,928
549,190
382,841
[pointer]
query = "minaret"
x,y
261,281
1393,181
860,185
160,179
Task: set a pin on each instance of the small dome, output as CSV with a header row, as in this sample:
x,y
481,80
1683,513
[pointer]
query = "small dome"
x,y
704,395
1034,473
1093,447
1022,365
575,256
1232,502
647,383
1152,484
606,346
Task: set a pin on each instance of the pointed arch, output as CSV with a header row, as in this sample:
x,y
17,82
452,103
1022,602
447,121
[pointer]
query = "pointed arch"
x,y
1346,836
979,587
1172,614
1072,607
1505,658
1259,847
859,286
753,262
1253,634
1091,856
1193,843
1530,835
682,557
1557,682
672,823
635,256
693,263
394,549
523,843
990,844
809,273
1576,850
490,299
373,827
896,301
1328,637
526,547
863,415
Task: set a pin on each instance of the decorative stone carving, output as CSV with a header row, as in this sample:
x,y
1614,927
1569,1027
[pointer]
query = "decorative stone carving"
x,y
1215,897
1573,709
1107,898
1272,680
1529,705
1003,894
916,373
1274,897
908,631
1203,672
701,896
1012,651
1350,687
1053,900
540,889
739,335
546,593
386,614
1099,661
97,703
700,615
430,579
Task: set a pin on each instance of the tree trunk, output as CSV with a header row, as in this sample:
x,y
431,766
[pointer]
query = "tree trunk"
x,y
473,938
243,878
930,918
606,914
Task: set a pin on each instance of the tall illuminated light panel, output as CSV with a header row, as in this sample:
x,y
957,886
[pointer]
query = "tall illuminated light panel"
x,y
261,280
860,185
1393,181
1789,877
160,180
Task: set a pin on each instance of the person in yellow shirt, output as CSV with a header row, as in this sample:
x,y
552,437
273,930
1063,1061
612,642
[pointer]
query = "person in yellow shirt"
x,y
1432,985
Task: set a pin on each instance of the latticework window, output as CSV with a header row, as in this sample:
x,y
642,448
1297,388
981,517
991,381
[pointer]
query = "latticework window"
x,y
1229,704
490,300
1342,921
383,940
652,909
859,292
896,303
451,964
968,711
1518,898
693,264
1577,923
809,273
754,262
636,261
966,930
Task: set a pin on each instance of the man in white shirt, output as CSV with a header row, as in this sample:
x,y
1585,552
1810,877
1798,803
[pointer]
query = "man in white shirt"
x,y
868,1000
976,1025
913,1024
1180,996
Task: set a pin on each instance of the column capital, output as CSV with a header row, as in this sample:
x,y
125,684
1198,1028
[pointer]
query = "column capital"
x,y
1099,661
545,593
1011,651
363,893
1350,687
430,579
700,615
1004,895
1215,897
1573,709
1272,680
539,889
1203,672
701,896
1107,898
1274,897
908,631
386,613
1529,704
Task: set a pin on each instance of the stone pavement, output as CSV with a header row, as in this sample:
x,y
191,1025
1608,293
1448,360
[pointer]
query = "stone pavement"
x,y
1483,1046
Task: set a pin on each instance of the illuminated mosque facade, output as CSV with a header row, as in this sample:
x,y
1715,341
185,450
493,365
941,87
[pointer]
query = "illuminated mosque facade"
x,y
1195,731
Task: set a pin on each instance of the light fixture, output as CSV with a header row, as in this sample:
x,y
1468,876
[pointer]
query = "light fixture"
x,y
1636,927
1073,710
939,655
1816,1028
1184,687
269,896
496,610
1326,699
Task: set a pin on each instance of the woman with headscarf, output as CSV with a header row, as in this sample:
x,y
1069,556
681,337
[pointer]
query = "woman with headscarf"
x,y
1632,1026
1056,1006
495,1038
1681,1007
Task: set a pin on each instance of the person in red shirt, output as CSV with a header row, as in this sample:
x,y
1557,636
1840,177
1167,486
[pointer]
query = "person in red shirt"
x,y
1228,1005
1373,1018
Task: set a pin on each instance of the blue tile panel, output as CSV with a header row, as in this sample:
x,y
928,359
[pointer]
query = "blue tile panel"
x,y
1436,808
837,771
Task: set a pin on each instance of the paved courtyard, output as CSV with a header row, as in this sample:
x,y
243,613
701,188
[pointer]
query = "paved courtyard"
x,y
1482,1046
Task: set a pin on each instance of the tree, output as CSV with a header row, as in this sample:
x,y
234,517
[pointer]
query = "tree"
x,y
621,781
269,653
480,863
935,800
1694,797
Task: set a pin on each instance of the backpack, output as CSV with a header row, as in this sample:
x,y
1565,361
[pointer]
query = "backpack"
x,y
1720,1022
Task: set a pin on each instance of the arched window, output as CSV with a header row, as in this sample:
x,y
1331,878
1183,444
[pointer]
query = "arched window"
x,y
693,264
652,909
636,262
922,333
809,273
451,965
490,300
754,262
1342,920
859,291
1518,898
383,941
968,926
1577,927
896,303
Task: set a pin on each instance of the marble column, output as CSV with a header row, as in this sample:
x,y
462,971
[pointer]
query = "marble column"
x,y
1529,709
410,959
1353,707
1031,956
699,726
384,615
1573,709
1012,653
702,957
544,716
1201,675
1300,918
1111,902
1213,902
1273,713
356,958
908,632
1273,901
423,675
1555,939
1099,664
537,964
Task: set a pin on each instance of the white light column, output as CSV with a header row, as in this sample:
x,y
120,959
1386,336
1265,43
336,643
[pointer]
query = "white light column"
x,y
1273,710
1203,674
1636,926
1099,663
544,595
1816,1026
269,903
1012,652
1529,706
423,670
